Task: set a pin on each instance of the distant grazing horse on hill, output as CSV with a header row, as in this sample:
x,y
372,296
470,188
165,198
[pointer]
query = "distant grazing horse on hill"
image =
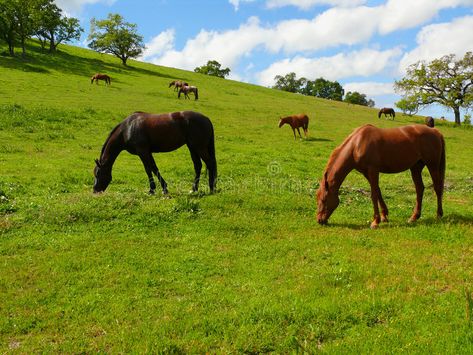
x,y
178,84
429,121
145,133
388,111
296,121
186,90
371,150
103,77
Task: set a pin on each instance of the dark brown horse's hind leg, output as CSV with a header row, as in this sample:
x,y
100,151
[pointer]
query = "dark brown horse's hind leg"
x,y
211,164
197,168
416,173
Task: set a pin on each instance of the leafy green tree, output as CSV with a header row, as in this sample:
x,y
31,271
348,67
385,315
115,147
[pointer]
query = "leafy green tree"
x,y
408,105
115,36
357,98
445,81
289,82
53,28
8,24
325,89
23,15
213,68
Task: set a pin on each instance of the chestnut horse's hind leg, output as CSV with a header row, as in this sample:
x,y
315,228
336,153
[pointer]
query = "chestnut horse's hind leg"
x,y
438,187
150,168
416,173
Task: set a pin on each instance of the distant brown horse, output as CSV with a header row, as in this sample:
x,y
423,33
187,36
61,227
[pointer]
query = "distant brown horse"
x,y
429,121
371,151
388,111
103,77
186,90
145,133
178,84
296,121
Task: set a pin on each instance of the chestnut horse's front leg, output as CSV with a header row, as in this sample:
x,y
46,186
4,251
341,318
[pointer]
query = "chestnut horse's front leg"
x,y
373,178
416,173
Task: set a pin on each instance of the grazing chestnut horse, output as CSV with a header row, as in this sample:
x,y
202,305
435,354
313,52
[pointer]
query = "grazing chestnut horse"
x,y
186,90
177,84
429,121
145,133
103,77
388,111
371,150
296,121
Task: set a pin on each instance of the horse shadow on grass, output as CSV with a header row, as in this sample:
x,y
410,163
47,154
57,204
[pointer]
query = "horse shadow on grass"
x,y
315,139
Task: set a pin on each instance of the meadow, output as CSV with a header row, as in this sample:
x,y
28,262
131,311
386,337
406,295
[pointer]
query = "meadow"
x,y
245,270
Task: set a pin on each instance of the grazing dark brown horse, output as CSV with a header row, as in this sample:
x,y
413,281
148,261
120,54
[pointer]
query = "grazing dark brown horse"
x,y
371,150
296,121
178,84
103,77
145,133
388,111
429,121
186,90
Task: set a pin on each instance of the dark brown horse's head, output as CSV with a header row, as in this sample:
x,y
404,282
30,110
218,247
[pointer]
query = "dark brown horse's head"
x,y
103,177
327,201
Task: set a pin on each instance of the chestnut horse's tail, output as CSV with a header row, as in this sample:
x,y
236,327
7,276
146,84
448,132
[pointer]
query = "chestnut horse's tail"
x,y
442,165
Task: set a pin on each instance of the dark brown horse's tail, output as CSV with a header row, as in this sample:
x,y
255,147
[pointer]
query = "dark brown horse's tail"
x,y
196,92
213,162
394,113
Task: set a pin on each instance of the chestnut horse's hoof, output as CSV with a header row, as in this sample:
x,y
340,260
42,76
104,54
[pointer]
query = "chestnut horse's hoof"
x,y
374,225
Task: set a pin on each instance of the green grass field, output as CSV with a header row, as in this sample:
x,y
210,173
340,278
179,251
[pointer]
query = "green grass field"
x,y
245,270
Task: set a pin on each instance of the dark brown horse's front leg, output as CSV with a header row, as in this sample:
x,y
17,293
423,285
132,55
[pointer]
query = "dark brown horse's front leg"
x,y
416,173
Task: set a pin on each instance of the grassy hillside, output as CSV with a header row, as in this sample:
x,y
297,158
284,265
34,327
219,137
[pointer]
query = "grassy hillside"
x,y
245,270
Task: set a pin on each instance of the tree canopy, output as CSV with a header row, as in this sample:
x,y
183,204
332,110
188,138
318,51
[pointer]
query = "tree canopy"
x,y
357,98
445,81
213,68
115,36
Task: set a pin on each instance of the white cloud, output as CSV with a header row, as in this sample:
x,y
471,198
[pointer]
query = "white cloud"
x,y
236,3
159,45
75,6
370,88
435,41
365,62
307,4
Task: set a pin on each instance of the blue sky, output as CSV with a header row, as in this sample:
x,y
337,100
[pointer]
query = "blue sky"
x,y
365,45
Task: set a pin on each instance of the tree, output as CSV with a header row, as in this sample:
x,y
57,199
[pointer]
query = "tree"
x,y
445,81
213,68
53,28
325,89
408,105
358,99
289,82
23,15
116,37
8,24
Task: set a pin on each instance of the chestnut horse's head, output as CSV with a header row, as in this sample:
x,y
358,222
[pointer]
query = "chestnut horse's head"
x,y
103,177
327,201
282,121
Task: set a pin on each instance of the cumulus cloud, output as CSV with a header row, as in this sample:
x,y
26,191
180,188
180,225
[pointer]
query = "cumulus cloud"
x,y
370,88
236,3
364,62
307,4
437,40
75,6
159,45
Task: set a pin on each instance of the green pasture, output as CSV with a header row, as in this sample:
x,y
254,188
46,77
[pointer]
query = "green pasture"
x,y
245,270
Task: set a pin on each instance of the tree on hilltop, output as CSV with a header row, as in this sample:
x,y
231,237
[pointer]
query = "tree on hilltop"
x,y
115,36
445,81
213,68
357,98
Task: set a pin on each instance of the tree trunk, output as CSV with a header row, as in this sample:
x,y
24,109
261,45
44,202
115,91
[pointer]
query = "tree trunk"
x,y
456,110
